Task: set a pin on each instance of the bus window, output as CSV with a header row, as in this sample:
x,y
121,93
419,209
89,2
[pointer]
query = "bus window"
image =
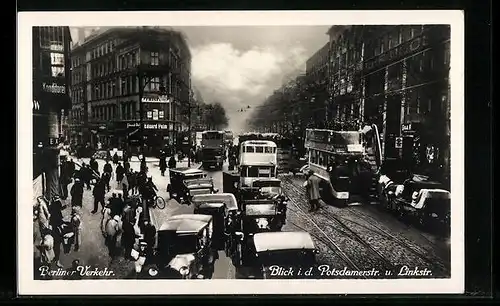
x,y
259,149
274,150
268,149
249,149
321,159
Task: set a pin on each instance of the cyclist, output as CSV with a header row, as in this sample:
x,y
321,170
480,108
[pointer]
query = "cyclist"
x,y
149,190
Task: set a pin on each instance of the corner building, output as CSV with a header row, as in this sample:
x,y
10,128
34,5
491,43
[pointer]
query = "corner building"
x,y
51,54
106,93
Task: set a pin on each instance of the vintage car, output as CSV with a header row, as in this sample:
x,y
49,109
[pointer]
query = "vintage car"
x,y
271,255
419,198
184,248
270,188
260,215
224,210
187,182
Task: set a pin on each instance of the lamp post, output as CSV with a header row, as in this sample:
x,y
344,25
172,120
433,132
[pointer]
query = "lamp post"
x,y
189,129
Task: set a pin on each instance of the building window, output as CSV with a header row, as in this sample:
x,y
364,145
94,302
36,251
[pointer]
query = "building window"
x,y
134,59
123,62
154,85
123,84
155,58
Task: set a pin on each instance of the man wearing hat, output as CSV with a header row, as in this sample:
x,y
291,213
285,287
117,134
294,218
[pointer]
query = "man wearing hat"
x,y
77,193
312,191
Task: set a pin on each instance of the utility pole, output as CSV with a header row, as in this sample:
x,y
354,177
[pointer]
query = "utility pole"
x,y
189,125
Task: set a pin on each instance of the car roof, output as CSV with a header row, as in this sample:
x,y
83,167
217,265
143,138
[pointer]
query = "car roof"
x,y
186,223
276,241
209,204
216,198
186,170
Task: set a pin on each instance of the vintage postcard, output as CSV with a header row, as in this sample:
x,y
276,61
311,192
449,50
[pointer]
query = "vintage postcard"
x,y
272,152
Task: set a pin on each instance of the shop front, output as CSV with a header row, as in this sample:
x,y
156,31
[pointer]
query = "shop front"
x,y
156,136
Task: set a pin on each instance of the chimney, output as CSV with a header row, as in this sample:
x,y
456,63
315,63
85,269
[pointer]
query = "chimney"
x,y
81,35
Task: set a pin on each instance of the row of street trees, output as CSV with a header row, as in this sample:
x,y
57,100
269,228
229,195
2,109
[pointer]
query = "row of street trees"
x,y
299,104
209,116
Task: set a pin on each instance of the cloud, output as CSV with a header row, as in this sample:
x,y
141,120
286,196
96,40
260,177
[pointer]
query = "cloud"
x,y
237,78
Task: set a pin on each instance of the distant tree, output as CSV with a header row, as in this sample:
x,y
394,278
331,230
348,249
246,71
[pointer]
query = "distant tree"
x,y
215,116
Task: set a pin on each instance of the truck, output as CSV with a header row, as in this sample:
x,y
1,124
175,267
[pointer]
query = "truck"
x,y
212,149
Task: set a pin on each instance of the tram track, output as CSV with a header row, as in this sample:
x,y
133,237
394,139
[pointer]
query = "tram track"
x,y
325,239
412,247
400,252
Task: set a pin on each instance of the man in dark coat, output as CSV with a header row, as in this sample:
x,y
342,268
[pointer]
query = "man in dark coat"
x,y
163,163
77,193
172,163
94,165
108,169
85,175
128,238
115,158
149,236
99,193
126,166
70,167
120,172
144,167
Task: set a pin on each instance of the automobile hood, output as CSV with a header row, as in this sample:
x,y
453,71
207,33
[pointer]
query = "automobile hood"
x,y
181,260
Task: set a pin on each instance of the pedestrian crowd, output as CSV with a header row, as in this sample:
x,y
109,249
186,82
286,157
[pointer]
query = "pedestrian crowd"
x,y
125,225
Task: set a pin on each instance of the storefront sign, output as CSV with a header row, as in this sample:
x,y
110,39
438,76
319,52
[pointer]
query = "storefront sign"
x,y
396,53
149,126
132,125
157,99
53,141
406,127
156,126
54,88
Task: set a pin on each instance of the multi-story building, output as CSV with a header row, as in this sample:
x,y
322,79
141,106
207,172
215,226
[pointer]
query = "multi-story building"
x,y
51,49
317,78
122,69
397,78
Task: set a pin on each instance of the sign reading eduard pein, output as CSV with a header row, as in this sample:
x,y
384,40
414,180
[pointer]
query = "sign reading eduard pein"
x,y
149,126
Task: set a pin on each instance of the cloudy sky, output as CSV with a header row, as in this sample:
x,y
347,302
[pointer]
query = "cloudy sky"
x,y
240,66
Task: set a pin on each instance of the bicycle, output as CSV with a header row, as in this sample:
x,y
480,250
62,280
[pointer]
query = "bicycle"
x,y
159,202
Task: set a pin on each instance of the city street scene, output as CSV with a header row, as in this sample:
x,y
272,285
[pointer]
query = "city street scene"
x,y
245,152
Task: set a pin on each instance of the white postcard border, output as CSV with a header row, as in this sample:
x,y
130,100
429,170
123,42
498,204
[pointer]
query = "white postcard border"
x,y
28,286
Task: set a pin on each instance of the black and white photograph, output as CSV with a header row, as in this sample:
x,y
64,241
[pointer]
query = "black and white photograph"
x,y
241,152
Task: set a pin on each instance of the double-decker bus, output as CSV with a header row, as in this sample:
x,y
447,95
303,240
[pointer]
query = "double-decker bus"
x,y
324,149
258,159
212,149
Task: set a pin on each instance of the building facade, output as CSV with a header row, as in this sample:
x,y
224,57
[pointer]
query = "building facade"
x,y
317,80
396,77
51,50
115,71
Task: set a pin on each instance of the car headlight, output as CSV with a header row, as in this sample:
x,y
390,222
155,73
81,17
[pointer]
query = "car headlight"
x,y
152,271
184,271
262,222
